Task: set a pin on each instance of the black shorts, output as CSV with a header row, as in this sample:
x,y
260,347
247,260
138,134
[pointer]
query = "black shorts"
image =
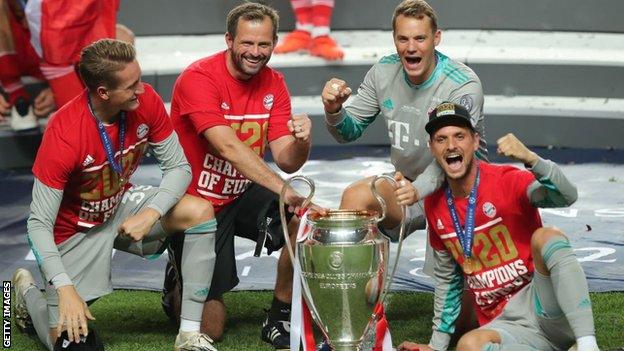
x,y
249,216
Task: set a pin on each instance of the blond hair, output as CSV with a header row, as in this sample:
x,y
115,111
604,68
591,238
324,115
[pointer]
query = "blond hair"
x,y
102,59
415,9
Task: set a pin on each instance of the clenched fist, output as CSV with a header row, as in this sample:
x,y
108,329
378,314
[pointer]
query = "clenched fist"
x,y
512,147
335,93
139,225
300,127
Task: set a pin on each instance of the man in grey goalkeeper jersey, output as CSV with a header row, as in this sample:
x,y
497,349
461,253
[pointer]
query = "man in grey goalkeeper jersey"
x,y
84,205
403,88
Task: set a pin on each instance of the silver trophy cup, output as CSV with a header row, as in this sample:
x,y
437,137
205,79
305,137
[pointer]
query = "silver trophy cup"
x,y
344,268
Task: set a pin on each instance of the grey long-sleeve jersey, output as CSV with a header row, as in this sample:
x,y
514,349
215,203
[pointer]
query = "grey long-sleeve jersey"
x,y
405,107
46,202
550,189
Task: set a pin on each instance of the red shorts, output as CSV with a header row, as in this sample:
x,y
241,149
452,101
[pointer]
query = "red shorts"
x,y
27,59
61,28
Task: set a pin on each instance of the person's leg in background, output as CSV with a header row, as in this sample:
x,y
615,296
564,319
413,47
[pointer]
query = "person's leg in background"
x,y
17,103
301,37
91,21
322,44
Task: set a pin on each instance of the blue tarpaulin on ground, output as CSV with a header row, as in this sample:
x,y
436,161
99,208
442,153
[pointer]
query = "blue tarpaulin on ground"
x,y
595,225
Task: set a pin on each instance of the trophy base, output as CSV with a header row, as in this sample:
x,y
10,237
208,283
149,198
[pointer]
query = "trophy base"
x,y
344,346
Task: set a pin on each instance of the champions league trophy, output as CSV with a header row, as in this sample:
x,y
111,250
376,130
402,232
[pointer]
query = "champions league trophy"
x,y
344,267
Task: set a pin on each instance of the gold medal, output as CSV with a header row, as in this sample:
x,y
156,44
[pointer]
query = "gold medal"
x,y
469,265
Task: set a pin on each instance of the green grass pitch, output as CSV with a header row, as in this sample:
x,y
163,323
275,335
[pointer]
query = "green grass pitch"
x,y
134,321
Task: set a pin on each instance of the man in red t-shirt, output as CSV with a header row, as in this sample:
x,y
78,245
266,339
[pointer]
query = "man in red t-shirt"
x,y
226,108
529,291
84,205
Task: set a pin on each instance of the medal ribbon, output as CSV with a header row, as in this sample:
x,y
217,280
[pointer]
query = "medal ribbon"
x,y
108,145
465,235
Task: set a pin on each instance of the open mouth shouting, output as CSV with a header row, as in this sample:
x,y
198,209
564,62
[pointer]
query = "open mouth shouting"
x,y
454,161
412,62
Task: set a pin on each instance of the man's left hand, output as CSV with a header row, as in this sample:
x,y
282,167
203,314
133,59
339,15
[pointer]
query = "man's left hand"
x,y
140,224
301,127
510,146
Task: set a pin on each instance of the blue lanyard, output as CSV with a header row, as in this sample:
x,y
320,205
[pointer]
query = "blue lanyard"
x,y
106,142
465,235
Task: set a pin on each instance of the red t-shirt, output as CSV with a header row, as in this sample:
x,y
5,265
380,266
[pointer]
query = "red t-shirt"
x,y
72,158
504,223
206,95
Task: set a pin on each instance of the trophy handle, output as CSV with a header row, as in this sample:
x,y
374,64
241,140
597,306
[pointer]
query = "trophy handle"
x,y
282,210
306,202
384,210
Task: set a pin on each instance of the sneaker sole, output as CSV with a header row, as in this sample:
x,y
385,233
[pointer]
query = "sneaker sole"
x,y
268,341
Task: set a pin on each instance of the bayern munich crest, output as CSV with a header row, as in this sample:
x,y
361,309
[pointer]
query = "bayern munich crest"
x,y
489,209
268,101
142,130
467,102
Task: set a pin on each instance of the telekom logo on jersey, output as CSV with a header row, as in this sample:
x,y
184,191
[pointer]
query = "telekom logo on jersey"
x,y
399,133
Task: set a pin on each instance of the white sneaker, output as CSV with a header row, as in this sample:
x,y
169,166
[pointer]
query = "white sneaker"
x,y
193,341
22,116
22,282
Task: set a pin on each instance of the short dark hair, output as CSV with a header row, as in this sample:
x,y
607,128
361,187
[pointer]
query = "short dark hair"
x,y
415,9
102,59
251,11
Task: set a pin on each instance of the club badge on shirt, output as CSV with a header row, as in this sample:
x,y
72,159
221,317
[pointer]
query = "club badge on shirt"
x,y
142,130
268,101
489,209
467,102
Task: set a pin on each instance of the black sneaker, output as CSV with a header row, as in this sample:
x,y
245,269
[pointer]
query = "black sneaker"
x,y
276,333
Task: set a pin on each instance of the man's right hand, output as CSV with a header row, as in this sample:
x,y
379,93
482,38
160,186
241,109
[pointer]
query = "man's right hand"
x,y
73,312
335,93
294,202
